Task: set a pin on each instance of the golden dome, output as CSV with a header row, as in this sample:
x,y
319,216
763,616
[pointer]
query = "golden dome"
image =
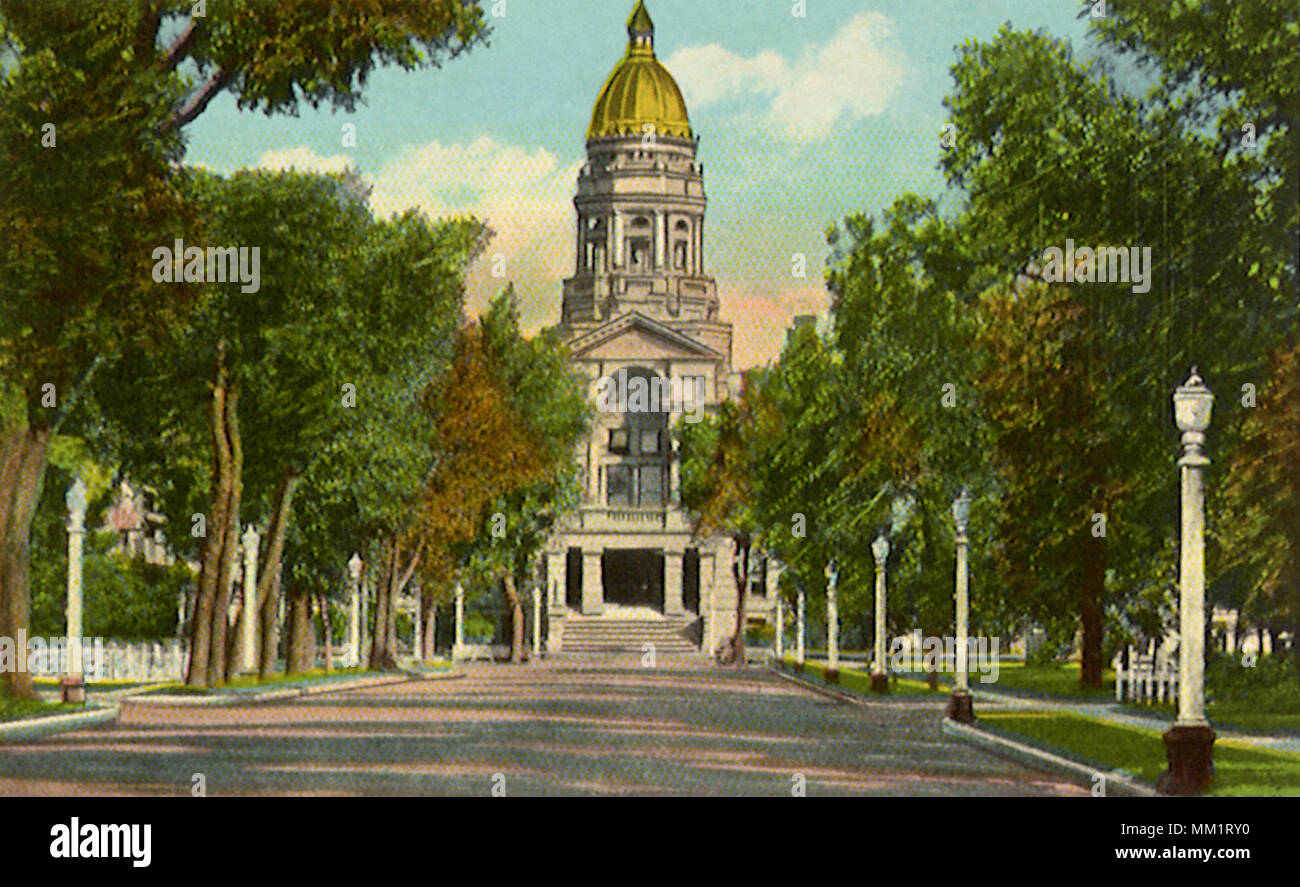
x,y
639,90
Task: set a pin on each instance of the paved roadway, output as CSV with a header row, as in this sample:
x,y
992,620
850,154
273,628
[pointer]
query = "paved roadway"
x,y
564,727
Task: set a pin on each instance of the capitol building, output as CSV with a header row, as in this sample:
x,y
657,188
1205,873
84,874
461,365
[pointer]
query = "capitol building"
x,y
641,313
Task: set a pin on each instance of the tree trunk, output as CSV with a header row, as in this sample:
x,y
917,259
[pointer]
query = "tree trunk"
x,y
381,655
428,627
518,652
218,661
740,573
327,629
22,470
383,647
268,585
214,530
1091,595
300,650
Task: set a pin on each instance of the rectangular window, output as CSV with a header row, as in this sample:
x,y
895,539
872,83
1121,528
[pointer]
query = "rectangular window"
x,y
652,486
618,441
618,486
649,442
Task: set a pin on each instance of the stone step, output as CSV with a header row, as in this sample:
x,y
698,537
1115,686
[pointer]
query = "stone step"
x,y
612,634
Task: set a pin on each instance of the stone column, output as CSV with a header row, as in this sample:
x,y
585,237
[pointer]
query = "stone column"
x,y
618,240
659,221
699,246
248,610
458,646
581,255
593,592
73,687
556,581
555,578
537,620
832,624
673,583
800,632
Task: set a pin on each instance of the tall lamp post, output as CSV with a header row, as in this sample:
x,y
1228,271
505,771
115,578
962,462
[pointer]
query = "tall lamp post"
x,y
248,609
959,704
832,625
73,685
354,609
879,671
1189,743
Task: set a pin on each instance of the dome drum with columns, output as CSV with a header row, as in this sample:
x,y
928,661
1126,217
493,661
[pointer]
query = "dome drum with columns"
x,y
624,568
640,201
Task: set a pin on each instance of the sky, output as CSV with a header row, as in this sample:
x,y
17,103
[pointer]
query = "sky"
x,y
802,121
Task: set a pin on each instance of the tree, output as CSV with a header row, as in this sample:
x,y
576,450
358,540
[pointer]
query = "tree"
x,y
508,418
106,190
1261,525
1050,150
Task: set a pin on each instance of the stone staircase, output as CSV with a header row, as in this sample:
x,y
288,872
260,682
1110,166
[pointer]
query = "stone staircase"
x,y
612,634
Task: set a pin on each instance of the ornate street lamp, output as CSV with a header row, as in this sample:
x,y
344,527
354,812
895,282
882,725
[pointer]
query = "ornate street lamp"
x,y
354,609
1189,743
959,704
248,609
832,624
880,671
73,685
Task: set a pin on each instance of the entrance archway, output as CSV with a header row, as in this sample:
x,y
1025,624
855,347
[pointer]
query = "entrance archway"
x,y
633,577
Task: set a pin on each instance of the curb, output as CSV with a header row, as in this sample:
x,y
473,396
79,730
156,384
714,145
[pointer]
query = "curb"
x,y
1115,783
450,674
876,700
35,728
233,699
827,691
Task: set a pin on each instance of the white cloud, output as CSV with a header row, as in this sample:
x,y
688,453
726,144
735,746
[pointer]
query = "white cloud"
x,y
854,74
525,196
303,159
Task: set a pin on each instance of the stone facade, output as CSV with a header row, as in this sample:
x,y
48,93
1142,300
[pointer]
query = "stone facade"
x,y
640,311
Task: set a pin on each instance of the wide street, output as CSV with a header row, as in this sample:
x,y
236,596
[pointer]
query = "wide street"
x,y
570,726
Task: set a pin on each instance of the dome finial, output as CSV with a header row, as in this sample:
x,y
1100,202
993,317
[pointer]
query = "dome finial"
x,y
640,29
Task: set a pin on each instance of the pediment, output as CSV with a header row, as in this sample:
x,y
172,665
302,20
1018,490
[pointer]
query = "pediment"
x,y
635,336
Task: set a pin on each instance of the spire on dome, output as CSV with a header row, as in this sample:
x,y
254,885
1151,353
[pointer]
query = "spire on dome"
x,y
640,28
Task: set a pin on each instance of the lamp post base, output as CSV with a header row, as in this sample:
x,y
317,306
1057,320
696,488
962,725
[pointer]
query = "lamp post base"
x,y
832,675
960,708
1190,751
879,682
73,690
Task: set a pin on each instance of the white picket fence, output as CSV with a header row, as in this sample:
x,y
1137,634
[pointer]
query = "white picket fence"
x,y
145,661
1150,677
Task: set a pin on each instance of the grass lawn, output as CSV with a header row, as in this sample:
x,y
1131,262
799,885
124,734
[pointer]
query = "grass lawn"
x,y
1057,679
857,680
1239,770
12,709
252,682
1243,717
